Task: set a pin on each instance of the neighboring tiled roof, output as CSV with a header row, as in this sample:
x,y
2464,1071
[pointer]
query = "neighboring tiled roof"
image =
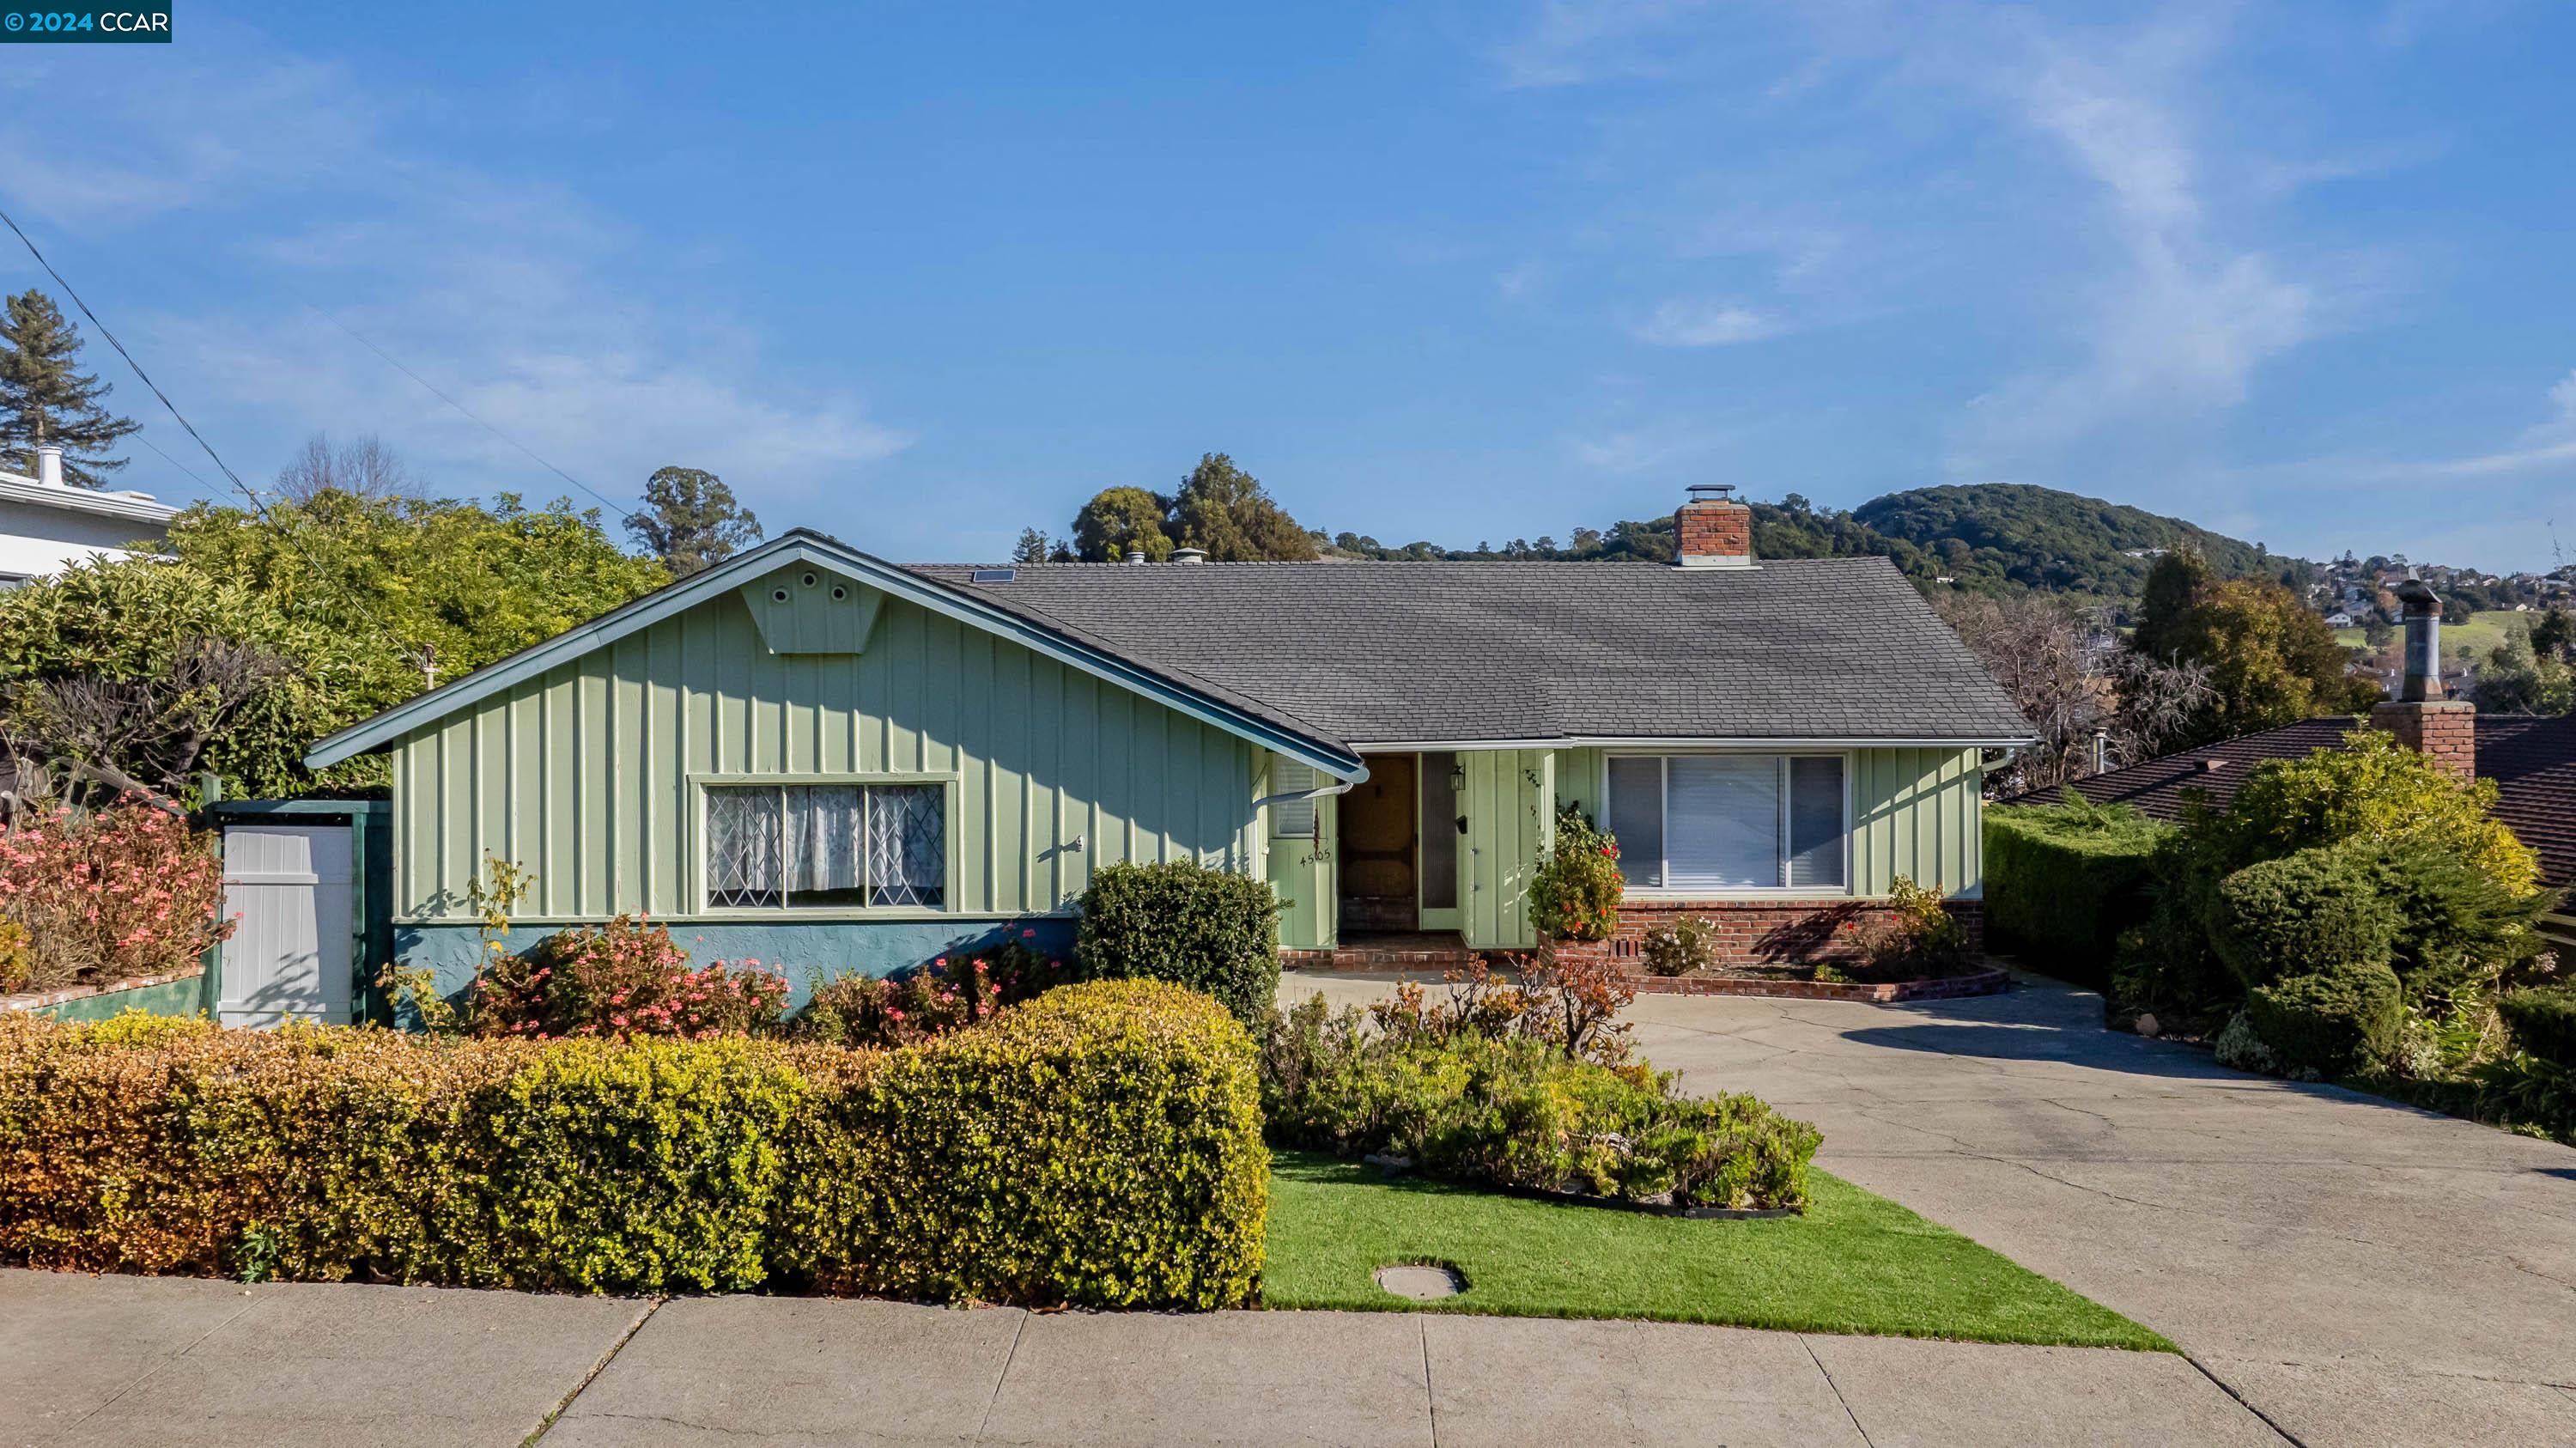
x,y
2532,760
1838,648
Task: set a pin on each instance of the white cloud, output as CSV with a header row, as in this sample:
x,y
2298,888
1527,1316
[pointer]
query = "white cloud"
x,y
1703,322
2541,446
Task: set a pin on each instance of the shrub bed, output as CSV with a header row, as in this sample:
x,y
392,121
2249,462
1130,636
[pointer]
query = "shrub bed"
x,y
2063,880
1489,1085
1099,1147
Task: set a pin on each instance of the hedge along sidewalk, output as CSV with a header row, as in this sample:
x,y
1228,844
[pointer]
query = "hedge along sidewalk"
x,y
1855,1263
1100,1146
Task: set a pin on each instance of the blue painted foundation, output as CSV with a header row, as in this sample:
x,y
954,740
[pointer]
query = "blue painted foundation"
x,y
802,950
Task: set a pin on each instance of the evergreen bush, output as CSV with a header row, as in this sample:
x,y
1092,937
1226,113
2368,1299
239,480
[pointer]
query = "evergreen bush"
x,y
1210,930
2063,880
2335,1021
2311,911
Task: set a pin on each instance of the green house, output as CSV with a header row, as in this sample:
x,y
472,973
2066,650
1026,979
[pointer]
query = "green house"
x,y
817,759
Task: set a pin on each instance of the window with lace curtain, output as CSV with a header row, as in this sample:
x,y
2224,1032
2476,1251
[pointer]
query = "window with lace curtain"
x,y
822,846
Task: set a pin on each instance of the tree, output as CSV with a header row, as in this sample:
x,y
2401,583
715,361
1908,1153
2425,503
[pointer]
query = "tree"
x,y
2271,659
690,520
364,468
1032,547
2521,679
1118,519
152,669
2177,582
2043,654
426,589
45,398
1225,510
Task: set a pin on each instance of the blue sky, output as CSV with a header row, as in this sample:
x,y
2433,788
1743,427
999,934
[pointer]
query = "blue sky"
x,y
922,274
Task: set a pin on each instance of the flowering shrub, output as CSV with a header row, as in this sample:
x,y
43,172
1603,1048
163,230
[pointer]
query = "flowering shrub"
x,y
1917,939
1575,892
625,978
1688,944
105,895
947,995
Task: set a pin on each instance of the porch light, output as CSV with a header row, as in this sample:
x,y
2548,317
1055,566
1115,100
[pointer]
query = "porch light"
x,y
1458,779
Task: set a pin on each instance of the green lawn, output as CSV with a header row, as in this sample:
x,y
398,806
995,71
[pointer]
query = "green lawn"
x,y
2485,630
1855,1263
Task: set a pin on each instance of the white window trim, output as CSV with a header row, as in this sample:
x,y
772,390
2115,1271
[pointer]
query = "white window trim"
x,y
1660,893
951,795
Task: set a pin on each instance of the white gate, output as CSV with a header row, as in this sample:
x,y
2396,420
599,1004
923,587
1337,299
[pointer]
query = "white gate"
x,y
289,955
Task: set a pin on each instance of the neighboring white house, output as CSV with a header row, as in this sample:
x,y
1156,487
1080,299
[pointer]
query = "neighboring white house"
x,y
46,525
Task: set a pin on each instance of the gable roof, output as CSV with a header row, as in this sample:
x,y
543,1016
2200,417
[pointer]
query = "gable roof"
x,y
1214,703
2531,759
1819,650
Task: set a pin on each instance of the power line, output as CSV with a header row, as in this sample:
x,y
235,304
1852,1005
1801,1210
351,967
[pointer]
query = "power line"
x,y
137,366
461,407
174,462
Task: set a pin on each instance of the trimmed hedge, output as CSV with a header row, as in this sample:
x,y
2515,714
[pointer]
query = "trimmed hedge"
x,y
1210,930
2543,1021
1100,1147
2315,910
2062,882
2333,1021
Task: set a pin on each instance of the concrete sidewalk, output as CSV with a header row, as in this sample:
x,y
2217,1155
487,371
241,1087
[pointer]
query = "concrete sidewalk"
x,y
178,1362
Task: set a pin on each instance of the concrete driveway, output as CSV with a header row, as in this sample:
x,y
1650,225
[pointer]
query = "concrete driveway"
x,y
2356,1271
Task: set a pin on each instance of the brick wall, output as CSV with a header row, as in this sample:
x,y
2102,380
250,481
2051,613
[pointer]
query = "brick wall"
x,y
1762,932
2448,731
1712,529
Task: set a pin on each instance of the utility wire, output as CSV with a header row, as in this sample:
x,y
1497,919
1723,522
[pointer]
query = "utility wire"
x,y
137,366
462,408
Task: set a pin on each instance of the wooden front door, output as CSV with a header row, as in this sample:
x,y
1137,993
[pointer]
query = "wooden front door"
x,y
1379,885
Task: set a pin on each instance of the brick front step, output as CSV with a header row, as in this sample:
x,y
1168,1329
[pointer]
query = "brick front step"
x,y
1984,982
1360,958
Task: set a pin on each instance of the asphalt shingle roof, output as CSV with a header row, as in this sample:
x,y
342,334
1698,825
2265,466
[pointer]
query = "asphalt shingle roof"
x,y
2532,761
1839,648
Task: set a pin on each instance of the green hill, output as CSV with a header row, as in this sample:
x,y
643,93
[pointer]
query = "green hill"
x,y
2015,536
1989,537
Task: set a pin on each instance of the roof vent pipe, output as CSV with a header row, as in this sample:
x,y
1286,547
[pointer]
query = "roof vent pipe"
x,y
2423,612
1189,555
49,465
1135,554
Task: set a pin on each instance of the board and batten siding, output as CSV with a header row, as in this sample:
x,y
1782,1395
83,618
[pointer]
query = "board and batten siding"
x,y
1914,812
588,774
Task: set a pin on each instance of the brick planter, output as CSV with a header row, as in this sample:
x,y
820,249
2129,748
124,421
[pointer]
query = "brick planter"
x,y
1761,932
39,1000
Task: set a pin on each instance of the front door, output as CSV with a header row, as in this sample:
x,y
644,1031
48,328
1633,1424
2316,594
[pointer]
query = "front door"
x,y
1379,881
1443,821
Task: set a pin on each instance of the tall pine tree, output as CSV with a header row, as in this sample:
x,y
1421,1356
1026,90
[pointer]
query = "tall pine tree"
x,y
46,398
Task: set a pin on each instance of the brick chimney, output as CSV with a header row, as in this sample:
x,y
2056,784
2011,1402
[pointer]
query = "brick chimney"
x,y
2421,718
1713,530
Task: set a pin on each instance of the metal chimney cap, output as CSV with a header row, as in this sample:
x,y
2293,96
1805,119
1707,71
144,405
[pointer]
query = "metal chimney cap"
x,y
1712,492
1135,554
1189,555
